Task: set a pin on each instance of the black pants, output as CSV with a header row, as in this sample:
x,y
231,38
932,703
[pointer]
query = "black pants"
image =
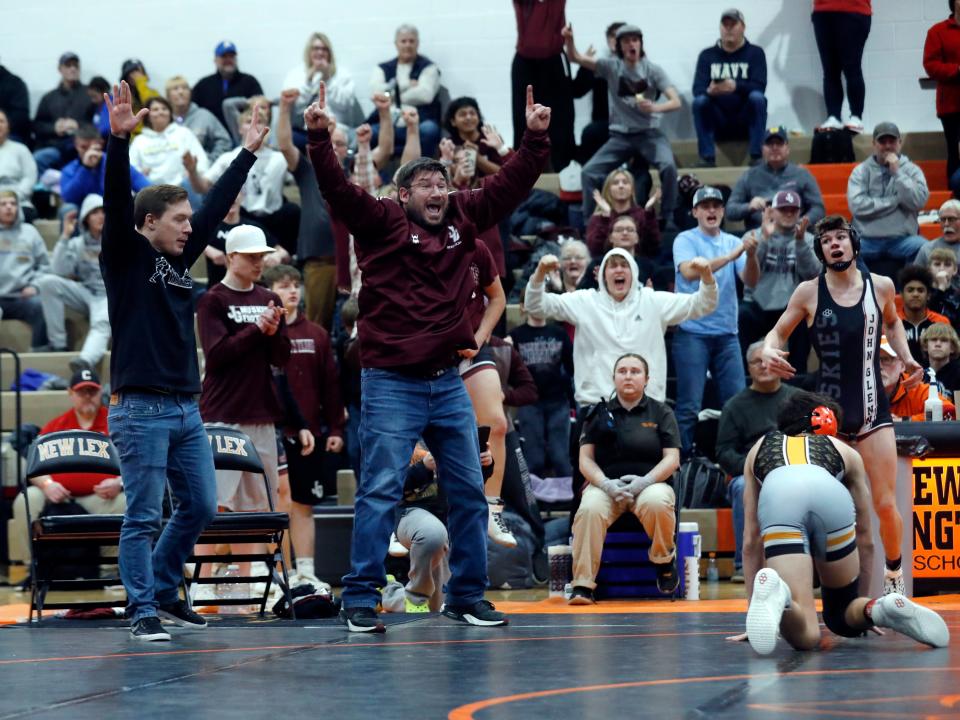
x,y
841,38
552,87
951,134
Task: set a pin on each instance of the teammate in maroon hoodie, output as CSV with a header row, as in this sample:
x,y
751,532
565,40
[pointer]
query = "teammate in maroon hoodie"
x,y
415,257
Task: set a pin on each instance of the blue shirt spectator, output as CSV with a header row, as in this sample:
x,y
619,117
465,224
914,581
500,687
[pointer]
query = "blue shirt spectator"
x,y
695,243
77,180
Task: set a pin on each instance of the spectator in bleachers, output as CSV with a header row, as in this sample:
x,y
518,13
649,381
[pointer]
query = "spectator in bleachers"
x,y
618,198
547,351
941,345
263,202
319,64
597,131
75,280
411,80
464,122
945,291
215,252
211,133
164,149
710,343
756,187
135,74
747,416
629,450
84,176
728,91
538,61
949,218
15,103
18,170
634,84
22,263
95,493
913,306
96,89
906,403
59,114
623,234
226,82
607,324
941,60
841,28
574,258
885,193
786,258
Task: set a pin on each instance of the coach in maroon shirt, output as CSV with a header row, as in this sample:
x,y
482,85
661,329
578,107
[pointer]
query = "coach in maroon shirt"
x,y
415,258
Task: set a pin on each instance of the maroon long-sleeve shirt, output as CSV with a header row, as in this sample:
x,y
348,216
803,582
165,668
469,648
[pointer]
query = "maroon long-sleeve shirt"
x,y
539,23
416,285
312,375
238,384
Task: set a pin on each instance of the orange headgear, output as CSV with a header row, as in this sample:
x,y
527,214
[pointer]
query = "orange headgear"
x,y
823,421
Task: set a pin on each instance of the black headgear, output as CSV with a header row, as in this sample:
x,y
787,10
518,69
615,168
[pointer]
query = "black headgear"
x,y
836,222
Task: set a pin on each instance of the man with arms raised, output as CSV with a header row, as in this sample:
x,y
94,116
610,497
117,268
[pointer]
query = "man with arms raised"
x,y
415,256
148,246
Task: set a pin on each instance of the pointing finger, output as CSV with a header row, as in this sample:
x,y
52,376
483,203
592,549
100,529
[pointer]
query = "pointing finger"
x,y
529,96
322,95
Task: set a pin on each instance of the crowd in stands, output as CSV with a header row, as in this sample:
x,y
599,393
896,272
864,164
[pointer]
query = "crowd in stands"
x,y
649,305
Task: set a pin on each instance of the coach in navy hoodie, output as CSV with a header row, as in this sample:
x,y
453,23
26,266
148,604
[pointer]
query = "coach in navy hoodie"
x,y
728,89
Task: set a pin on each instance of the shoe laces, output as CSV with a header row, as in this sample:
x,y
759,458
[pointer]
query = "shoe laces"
x,y
500,523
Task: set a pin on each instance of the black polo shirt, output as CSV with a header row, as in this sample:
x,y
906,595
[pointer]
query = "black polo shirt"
x,y
630,442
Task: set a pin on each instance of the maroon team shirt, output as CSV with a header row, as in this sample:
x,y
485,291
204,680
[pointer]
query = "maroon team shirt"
x,y
416,282
238,383
312,375
483,271
539,23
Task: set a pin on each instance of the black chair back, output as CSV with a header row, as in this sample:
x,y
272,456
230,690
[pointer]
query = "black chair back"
x,y
72,451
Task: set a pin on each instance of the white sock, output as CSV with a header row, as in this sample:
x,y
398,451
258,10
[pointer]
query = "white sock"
x,y
305,566
494,500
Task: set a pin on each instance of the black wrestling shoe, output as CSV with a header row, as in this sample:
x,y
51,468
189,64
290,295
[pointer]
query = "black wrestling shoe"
x,y
180,614
481,613
581,596
361,619
149,629
667,577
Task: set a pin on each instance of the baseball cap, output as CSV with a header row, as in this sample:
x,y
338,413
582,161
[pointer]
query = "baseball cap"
x,y
786,198
628,29
85,378
707,193
246,239
225,46
733,14
69,56
885,346
777,131
886,128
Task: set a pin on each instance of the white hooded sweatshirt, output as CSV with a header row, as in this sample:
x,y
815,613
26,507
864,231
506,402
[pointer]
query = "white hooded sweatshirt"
x,y
606,329
159,155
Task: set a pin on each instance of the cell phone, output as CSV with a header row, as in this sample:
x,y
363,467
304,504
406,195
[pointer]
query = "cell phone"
x,y
483,435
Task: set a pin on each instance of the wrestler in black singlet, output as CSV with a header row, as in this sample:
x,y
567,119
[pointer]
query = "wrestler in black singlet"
x,y
847,341
778,450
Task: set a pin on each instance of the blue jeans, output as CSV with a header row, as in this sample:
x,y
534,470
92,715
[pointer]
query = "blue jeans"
x,y
160,438
729,116
396,411
904,248
352,432
545,427
429,138
735,496
693,355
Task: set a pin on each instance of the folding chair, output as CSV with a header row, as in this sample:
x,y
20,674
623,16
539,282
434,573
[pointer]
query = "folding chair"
x,y
234,450
66,452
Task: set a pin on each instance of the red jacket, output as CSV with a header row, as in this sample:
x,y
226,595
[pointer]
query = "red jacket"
x,y
941,60
79,484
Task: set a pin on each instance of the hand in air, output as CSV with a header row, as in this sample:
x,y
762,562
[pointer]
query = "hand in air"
x,y
538,116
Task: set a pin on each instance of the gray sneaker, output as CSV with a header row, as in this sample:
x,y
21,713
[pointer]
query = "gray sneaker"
x,y
149,629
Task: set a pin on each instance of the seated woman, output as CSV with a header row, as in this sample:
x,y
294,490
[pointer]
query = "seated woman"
x,y
624,234
616,199
807,507
629,449
465,125
161,151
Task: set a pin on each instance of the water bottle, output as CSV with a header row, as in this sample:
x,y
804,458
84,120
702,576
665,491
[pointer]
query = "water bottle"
x,y
713,572
933,407
229,589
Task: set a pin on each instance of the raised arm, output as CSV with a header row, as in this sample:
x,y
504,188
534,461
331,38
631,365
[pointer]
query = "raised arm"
x,y
412,149
291,154
690,272
587,61
542,304
386,138
677,307
774,356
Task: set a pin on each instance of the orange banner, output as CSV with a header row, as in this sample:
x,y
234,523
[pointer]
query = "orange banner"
x,y
936,518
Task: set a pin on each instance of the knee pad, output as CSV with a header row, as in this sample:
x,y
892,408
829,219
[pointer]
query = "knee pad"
x,y
835,603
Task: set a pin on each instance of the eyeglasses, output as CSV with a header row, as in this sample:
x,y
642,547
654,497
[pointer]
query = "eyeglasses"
x,y
949,218
756,362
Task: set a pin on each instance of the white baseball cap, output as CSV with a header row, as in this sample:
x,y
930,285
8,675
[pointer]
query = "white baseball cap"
x,y
247,239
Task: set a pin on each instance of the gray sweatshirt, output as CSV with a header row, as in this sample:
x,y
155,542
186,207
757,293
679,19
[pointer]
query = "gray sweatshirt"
x,y
23,256
211,133
18,171
885,205
784,263
763,181
78,258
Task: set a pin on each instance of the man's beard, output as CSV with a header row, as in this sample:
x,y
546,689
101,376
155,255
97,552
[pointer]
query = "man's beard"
x,y
417,217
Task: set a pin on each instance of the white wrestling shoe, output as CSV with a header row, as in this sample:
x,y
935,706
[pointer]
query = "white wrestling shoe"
x,y
771,597
893,582
397,548
854,124
898,613
497,529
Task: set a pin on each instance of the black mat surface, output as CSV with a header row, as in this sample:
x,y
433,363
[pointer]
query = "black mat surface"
x,y
542,666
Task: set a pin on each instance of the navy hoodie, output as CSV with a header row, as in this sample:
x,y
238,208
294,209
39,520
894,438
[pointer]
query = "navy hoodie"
x,y
747,66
